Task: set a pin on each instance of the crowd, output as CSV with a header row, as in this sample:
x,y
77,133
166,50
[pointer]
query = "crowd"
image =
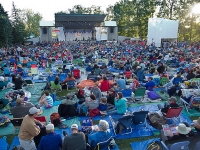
x,y
132,59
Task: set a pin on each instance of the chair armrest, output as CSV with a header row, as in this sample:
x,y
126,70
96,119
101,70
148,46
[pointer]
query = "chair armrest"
x,y
163,144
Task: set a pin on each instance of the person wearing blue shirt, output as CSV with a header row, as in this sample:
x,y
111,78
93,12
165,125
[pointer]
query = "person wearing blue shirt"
x,y
121,83
51,141
99,134
150,84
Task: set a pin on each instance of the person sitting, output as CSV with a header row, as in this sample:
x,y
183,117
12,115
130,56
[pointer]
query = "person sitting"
x,y
172,104
20,70
46,100
150,84
111,97
68,100
161,68
91,103
190,75
21,109
97,71
51,141
18,81
96,91
105,86
121,83
135,83
140,73
99,134
103,105
69,78
75,141
120,105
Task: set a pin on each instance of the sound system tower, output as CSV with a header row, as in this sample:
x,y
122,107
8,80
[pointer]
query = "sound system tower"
x,y
111,29
44,30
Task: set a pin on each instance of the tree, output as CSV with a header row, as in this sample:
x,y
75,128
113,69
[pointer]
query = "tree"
x,y
18,32
31,21
5,28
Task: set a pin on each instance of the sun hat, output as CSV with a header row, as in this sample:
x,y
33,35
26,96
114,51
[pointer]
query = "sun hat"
x,y
74,126
50,126
197,121
181,128
34,110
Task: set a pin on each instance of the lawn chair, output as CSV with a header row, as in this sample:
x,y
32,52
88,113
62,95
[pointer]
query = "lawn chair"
x,y
140,117
54,87
51,78
186,105
157,81
127,93
70,85
62,76
164,81
139,94
177,146
197,146
16,123
105,145
125,122
173,113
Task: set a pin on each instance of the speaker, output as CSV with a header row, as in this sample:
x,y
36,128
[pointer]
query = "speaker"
x,y
44,30
111,29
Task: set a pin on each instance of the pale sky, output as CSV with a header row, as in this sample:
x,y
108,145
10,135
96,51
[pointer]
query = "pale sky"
x,y
48,7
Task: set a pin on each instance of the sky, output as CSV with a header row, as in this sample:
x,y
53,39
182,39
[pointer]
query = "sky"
x,y
48,7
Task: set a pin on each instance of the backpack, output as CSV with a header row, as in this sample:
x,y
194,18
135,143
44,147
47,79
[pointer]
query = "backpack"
x,y
86,125
156,120
55,119
153,95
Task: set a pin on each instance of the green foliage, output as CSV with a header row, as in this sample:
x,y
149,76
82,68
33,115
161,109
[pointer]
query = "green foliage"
x,y
5,28
18,32
31,21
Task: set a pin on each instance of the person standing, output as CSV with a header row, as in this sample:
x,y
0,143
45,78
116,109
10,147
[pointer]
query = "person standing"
x,y
51,141
75,141
29,129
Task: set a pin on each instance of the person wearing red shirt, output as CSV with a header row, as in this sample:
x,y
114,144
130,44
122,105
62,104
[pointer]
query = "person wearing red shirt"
x,y
105,86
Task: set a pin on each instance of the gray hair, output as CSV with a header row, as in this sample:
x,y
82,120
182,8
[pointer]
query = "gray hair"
x,y
103,125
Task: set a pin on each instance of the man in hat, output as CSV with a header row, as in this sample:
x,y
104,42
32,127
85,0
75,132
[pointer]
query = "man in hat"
x,y
51,141
172,103
29,129
21,109
74,141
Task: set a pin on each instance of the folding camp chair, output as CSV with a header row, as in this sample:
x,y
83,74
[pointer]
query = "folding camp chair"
x,y
177,146
164,81
105,145
186,106
140,117
62,76
42,119
127,93
157,81
173,113
197,146
177,80
139,94
55,87
16,123
77,73
51,78
70,85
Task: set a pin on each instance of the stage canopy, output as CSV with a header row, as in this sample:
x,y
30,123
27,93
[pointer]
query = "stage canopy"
x,y
79,21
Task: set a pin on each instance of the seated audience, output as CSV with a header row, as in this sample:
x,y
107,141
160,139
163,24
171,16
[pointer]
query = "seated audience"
x,y
46,100
68,100
96,91
69,78
111,97
120,105
105,86
75,141
172,104
99,134
51,141
21,108
150,84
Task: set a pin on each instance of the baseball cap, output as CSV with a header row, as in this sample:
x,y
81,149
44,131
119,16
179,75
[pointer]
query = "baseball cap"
x,y
19,100
33,110
74,126
50,126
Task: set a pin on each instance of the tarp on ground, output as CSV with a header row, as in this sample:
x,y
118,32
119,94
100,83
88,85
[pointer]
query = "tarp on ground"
x,y
142,145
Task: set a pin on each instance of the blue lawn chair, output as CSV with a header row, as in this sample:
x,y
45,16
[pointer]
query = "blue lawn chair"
x,y
51,78
62,77
176,146
140,117
70,85
127,93
177,80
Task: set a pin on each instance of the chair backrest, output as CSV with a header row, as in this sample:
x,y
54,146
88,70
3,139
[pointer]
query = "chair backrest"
x,y
16,121
157,81
126,121
51,78
140,92
104,145
126,93
177,80
42,119
197,146
139,117
62,77
173,112
164,80
180,146
71,83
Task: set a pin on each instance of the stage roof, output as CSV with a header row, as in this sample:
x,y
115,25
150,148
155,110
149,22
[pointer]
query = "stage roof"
x,y
79,21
